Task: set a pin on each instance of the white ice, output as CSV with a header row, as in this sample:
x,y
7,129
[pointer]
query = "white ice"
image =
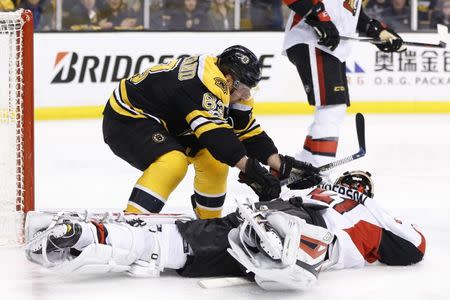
x,y
408,155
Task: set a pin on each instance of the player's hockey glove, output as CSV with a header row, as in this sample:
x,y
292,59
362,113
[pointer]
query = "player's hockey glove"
x,y
265,185
390,40
308,175
319,19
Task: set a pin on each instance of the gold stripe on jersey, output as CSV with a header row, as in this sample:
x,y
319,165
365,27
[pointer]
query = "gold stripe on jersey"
x,y
203,113
118,108
124,96
202,121
250,130
122,105
213,78
243,105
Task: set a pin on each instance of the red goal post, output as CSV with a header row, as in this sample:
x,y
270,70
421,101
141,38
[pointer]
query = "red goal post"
x,y
16,124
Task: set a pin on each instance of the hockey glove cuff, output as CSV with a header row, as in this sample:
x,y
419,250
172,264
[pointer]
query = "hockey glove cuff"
x,y
327,32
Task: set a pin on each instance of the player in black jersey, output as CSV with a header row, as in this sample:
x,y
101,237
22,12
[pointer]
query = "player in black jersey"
x,y
197,110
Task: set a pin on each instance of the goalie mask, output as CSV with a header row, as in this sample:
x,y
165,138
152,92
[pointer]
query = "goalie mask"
x,y
357,180
242,64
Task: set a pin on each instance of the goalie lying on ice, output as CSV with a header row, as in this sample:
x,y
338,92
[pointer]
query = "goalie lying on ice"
x,y
284,243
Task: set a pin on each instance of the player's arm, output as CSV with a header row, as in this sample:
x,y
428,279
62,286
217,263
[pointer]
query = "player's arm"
x,y
401,243
214,133
373,28
259,145
300,7
318,18
255,140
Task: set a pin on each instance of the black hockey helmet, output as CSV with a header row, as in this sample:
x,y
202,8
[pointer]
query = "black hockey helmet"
x,y
357,180
241,63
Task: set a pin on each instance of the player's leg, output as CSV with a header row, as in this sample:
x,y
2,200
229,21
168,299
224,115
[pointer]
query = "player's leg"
x,y
210,184
146,145
157,182
325,83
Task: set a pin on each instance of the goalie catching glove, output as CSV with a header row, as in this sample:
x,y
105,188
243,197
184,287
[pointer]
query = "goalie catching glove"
x,y
390,40
283,251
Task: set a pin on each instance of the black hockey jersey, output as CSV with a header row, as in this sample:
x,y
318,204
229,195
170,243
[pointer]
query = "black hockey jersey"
x,y
190,98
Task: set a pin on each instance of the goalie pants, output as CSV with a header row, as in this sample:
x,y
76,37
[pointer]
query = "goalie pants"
x,y
208,239
148,146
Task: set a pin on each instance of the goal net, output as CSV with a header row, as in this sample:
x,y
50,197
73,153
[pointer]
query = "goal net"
x,y
16,124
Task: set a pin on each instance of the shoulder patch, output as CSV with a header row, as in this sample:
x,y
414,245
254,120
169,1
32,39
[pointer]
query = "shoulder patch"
x,y
212,78
222,84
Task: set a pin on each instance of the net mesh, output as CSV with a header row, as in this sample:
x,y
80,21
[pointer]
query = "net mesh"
x,y
11,128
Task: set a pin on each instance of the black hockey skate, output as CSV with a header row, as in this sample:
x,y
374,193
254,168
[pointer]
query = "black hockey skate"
x,y
61,236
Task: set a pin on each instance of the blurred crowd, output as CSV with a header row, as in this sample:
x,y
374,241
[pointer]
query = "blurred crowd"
x,y
397,13
215,15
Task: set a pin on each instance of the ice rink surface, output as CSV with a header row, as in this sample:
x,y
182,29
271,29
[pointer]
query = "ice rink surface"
x,y
408,156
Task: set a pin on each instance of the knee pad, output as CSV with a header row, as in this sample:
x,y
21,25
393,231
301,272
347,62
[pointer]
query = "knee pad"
x,y
210,174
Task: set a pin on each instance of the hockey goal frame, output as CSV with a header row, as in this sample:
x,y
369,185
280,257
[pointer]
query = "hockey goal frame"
x,y
22,88
28,111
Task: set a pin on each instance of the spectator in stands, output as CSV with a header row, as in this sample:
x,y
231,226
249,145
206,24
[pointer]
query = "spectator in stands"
x,y
441,15
220,17
397,15
83,16
266,14
425,9
376,8
7,5
230,4
43,13
160,18
116,15
189,18
136,7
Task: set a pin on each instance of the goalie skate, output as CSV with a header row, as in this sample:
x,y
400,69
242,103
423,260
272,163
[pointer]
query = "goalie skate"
x,y
60,236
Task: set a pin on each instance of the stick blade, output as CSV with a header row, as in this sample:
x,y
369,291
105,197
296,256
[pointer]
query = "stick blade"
x,y
360,131
222,282
443,34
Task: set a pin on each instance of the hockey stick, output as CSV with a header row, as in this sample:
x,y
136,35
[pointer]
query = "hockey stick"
x,y
222,282
360,129
442,32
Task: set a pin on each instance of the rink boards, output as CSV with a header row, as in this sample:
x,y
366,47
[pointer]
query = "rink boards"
x,y
76,72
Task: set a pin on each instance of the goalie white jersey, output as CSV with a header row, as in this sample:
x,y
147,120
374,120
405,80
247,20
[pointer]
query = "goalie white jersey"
x,y
364,231
344,15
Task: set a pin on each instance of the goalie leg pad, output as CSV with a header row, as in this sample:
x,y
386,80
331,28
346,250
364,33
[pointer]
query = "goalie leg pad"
x,y
134,245
97,259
